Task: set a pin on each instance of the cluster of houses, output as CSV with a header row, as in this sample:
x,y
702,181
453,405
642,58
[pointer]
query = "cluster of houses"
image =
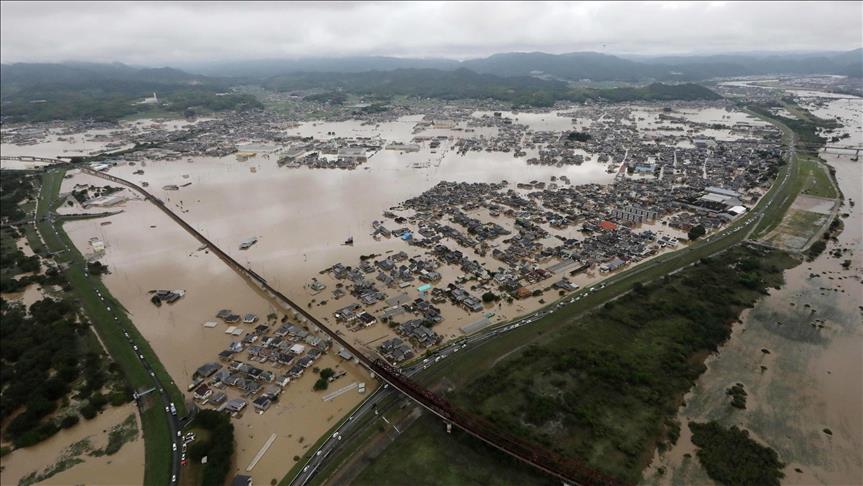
x,y
287,351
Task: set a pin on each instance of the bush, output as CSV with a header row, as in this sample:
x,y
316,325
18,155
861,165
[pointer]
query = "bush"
x,y
816,249
327,373
321,384
89,412
730,456
219,448
69,421
696,232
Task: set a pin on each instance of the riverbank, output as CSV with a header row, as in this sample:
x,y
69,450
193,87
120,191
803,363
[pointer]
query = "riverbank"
x,y
804,397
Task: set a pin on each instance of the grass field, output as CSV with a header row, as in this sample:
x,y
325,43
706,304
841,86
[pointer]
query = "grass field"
x,y
423,459
816,180
155,419
601,387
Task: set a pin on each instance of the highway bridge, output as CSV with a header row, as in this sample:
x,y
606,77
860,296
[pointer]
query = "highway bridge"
x,y
550,462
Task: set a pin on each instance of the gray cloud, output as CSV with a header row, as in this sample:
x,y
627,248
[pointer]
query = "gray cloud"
x,y
174,33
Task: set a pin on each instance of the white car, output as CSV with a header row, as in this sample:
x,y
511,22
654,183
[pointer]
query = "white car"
x,y
174,446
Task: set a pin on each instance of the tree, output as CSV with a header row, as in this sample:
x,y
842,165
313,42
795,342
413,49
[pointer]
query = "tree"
x,y
696,232
321,384
327,373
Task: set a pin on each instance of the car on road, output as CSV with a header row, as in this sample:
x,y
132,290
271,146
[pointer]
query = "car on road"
x,y
174,446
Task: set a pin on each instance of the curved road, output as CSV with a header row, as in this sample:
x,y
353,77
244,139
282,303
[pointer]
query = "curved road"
x,y
722,240
174,423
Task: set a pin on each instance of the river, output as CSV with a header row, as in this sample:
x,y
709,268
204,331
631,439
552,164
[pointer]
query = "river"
x,y
805,394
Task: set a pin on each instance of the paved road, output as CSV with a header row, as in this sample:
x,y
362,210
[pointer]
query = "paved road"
x,y
342,435
174,423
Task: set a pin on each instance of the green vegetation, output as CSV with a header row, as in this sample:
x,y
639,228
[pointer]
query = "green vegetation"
x,y
465,84
217,445
816,249
817,181
578,136
324,381
731,457
600,389
110,326
427,461
696,232
119,435
604,387
44,92
738,396
15,188
68,458
49,358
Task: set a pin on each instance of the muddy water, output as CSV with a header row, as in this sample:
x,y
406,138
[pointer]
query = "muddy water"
x,y
142,258
812,379
126,467
301,217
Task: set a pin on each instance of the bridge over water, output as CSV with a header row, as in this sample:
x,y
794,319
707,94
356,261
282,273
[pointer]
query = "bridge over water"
x,y
548,461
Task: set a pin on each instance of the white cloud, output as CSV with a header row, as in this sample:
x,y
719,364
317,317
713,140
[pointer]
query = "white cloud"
x,y
171,33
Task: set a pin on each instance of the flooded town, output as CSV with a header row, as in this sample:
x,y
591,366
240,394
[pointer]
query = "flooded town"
x,y
282,278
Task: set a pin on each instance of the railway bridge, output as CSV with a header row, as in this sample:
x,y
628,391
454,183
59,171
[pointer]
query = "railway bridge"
x,y
28,158
548,461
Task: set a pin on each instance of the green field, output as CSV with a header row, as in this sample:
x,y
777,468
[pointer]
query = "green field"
x,y
155,419
604,387
429,456
816,180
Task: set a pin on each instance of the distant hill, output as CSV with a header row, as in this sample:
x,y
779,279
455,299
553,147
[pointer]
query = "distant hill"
x,y
571,66
41,92
464,83
266,68
848,63
71,73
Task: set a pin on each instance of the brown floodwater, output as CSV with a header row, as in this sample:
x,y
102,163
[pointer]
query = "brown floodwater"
x,y
811,381
126,467
301,217
146,250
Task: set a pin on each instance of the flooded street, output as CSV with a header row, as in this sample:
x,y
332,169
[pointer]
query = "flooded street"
x,y
301,217
797,353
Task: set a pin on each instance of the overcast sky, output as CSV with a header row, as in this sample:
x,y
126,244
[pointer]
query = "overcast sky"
x,y
178,33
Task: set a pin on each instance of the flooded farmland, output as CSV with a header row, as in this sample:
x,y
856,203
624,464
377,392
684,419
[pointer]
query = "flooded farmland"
x,y
797,352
